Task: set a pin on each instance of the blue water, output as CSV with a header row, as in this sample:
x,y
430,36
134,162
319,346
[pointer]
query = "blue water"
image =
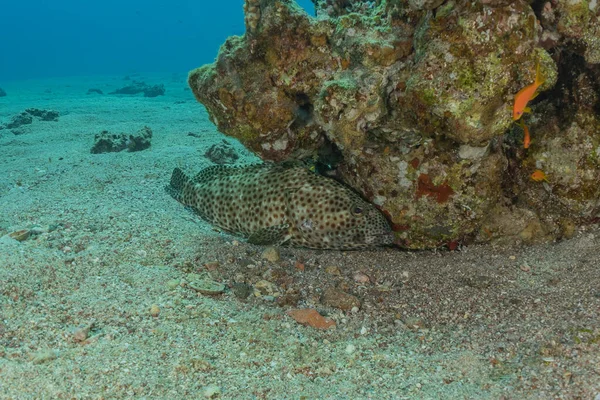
x,y
41,38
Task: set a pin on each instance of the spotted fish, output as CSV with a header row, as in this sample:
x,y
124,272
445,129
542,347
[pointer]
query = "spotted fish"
x,y
284,204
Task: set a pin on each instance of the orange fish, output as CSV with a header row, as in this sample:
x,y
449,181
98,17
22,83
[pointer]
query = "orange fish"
x,y
526,137
526,94
539,175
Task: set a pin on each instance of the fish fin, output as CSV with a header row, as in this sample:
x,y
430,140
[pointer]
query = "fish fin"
x,y
178,182
213,172
276,234
527,110
534,95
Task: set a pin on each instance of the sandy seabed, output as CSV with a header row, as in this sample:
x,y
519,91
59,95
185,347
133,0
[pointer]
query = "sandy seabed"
x,y
96,303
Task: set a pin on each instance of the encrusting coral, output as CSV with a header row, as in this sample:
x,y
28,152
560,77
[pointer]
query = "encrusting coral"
x,y
411,104
251,15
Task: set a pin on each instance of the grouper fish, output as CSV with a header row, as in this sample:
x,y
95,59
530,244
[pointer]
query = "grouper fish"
x,y
282,204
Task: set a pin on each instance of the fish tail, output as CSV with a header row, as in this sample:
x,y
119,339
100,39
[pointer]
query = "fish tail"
x,y
179,180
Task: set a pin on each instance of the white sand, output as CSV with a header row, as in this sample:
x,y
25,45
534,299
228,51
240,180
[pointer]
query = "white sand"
x,y
486,322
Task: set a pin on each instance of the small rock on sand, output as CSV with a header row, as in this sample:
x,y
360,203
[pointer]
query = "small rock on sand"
x,y
271,254
154,310
336,298
311,317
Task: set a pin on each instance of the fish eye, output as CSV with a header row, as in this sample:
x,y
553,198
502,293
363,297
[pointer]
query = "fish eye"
x,y
357,210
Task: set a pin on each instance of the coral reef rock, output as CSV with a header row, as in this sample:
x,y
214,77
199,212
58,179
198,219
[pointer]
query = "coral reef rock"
x,y
27,117
577,23
43,115
411,104
222,153
106,142
19,120
252,15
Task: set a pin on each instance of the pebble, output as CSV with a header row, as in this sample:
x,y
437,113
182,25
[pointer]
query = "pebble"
x,y
207,287
414,323
20,235
336,298
333,270
290,298
311,317
479,281
211,392
173,283
241,290
324,371
360,277
81,334
265,288
271,254
350,349
211,265
154,310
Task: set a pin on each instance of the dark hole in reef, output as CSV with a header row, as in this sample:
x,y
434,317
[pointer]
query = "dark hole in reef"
x,y
564,95
304,112
538,6
327,159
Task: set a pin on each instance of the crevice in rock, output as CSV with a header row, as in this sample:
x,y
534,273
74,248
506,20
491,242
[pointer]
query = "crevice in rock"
x,y
328,159
538,6
565,95
304,112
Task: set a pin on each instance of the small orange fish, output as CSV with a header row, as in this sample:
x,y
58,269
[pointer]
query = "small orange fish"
x,y
526,94
526,137
539,175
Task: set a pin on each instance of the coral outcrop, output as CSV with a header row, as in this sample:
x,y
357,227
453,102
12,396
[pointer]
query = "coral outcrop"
x,y
411,104
222,153
106,142
27,118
